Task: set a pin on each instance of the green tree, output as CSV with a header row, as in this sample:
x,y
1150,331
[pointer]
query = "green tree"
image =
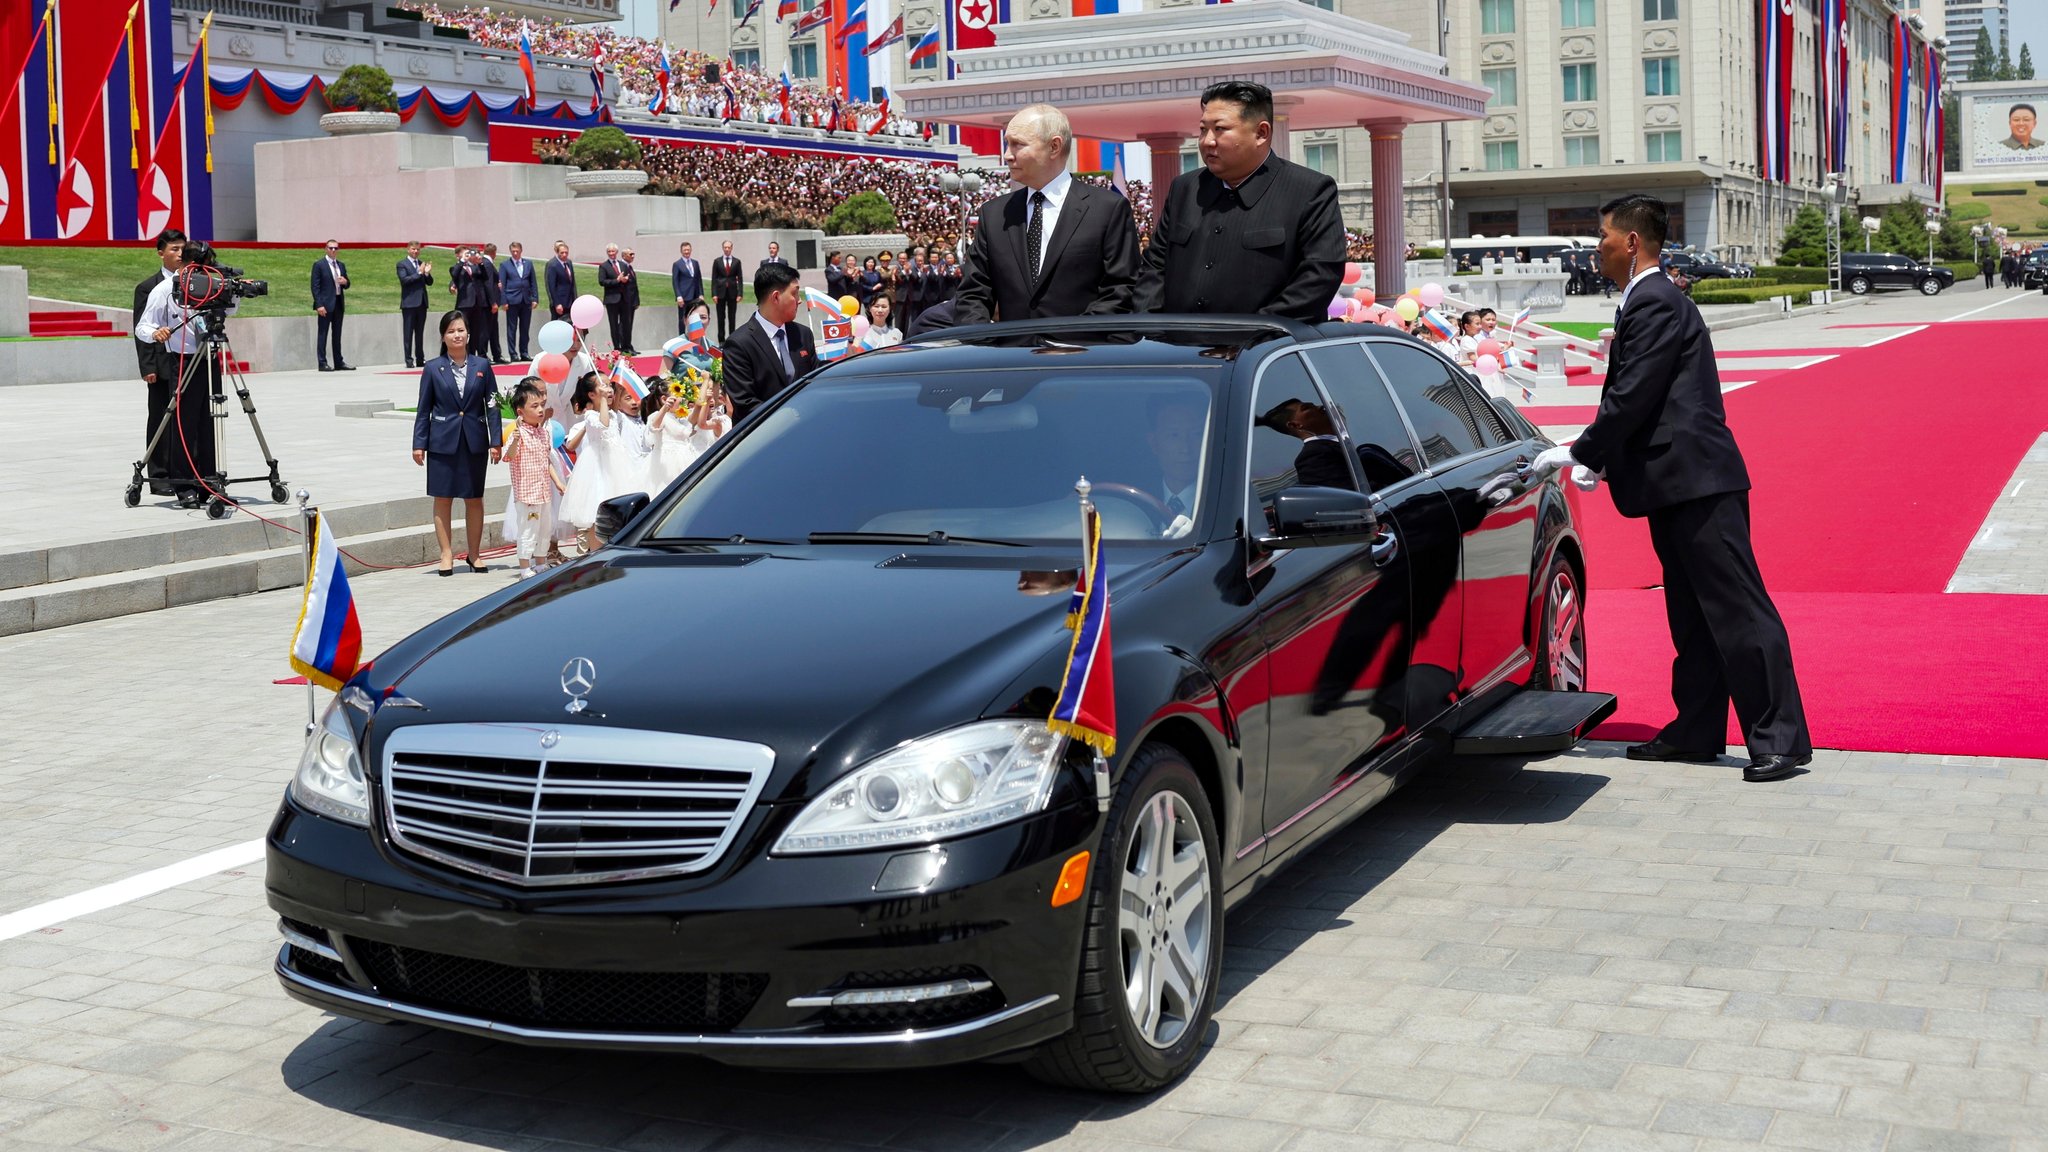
x,y
362,88
1807,233
1952,138
2026,66
2005,68
861,214
1983,62
603,149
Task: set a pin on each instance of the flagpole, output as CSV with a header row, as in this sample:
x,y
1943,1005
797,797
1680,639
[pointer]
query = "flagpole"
x,y
307,516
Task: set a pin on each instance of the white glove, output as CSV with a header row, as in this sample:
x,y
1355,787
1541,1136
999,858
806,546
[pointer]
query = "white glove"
x,y
1180,527
1551,459
1586,478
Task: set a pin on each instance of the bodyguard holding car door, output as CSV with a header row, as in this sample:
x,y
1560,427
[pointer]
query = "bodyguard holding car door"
x,y
1661,439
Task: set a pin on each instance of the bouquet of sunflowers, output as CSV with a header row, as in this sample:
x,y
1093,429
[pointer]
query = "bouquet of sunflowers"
x,y
684,388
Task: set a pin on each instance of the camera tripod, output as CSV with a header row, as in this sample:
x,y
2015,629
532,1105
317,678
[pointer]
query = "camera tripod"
x,y
213,349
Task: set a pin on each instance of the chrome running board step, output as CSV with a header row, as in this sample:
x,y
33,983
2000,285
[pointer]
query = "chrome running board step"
x,y
1530,723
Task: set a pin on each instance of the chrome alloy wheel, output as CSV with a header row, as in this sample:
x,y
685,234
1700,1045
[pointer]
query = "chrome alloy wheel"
x,y
1566,642
1164,918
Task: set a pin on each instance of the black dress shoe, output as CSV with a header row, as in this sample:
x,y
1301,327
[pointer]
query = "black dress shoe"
x,y
1664,753
1774,767
325,368
351,367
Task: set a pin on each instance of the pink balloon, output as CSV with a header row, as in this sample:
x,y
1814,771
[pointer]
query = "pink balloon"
x,y
1490,347
1364,296
1353,273
860,327
1431,295
552,367
587,312
1487,365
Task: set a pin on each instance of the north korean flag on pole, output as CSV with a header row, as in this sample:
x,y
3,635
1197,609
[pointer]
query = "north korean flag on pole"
x,y
890,35
28,101
1086,707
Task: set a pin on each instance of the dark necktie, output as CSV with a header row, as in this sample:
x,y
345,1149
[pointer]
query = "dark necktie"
x,y
1034,238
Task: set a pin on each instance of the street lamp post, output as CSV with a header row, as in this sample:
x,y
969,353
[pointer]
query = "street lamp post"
x,y
964,185
1933,230
1976,243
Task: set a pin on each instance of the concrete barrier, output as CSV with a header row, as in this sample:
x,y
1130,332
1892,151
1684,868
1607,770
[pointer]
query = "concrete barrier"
x,y
13,300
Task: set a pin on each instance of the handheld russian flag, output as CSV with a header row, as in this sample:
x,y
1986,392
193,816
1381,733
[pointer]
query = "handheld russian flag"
x,y
783,95
893,34
1521,317
856,21
1086,707
662,78
927,46
622,373
327,644
526,65
1438,324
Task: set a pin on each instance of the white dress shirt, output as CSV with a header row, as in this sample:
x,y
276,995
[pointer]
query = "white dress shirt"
x,y
1652,270
778,341
160,312
1055,192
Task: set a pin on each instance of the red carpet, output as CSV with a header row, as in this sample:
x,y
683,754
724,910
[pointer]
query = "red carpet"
x,y
1540,414
1872,473
1725,354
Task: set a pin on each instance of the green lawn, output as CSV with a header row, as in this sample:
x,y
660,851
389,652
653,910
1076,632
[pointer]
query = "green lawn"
x,y
2023,214
1583,329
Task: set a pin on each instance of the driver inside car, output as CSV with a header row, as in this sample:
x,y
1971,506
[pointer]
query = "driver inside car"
x,y
1177,424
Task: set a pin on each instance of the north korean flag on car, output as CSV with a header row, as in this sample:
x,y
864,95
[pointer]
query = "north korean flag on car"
x,y
1086,707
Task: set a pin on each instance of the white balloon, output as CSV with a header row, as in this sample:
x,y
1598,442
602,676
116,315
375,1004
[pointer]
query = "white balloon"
x,y
555,336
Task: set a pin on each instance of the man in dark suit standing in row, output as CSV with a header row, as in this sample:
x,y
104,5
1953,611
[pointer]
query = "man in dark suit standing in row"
x,y
170,254
485,343
415,276
630,302
1247,232
1052,247
764,355
330,302
471,285
611,279
774,255
687,278
517,288
725,290
561,283
1661,441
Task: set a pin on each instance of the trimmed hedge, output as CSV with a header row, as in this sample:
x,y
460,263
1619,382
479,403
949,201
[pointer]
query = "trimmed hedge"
x,y
1739,292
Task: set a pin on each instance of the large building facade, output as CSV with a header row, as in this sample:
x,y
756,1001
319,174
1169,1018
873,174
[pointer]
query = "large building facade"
x,y
1964,18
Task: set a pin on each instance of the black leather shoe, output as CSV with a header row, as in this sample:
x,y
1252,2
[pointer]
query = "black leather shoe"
x,y
1763,768
1662,753
325,368
351,367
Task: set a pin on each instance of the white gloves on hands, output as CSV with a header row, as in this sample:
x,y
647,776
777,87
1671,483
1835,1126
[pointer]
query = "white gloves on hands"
x,y
1586,478
1551,459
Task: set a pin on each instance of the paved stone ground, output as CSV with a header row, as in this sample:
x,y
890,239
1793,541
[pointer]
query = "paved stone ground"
x,y
2006,553
1577,953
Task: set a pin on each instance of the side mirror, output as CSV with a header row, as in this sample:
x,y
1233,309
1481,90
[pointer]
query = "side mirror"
x,y
1305,516
616,513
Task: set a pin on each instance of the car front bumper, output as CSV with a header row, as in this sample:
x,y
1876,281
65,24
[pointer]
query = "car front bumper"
x,y
786,962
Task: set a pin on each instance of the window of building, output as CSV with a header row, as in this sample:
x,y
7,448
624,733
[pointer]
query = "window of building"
x,y
1496,17
803,61
1322,158
1660,76
1581,82
1501,81
1580,151
1190,160
1579,13
1575,221
1660,9
1663,147
747,58
1503,155
1498,222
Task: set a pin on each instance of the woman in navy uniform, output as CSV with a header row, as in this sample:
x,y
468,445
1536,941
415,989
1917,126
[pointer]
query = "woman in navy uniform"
x,y
455,433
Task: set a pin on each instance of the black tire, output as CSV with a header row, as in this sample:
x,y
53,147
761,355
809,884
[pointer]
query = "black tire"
x,y
1929,286
1105,1051
1548,676
1859,285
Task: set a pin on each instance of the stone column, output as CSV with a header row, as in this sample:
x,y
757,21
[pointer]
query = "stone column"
x,y
1283,125
1389,225
1165,148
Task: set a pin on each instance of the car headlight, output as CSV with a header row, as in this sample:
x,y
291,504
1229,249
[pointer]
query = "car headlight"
x,y
939,786
330,777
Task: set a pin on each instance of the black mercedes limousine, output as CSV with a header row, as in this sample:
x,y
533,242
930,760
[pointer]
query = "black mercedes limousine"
x,y
769,778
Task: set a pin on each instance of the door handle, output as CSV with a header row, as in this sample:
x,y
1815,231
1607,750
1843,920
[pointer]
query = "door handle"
x,y
1384,546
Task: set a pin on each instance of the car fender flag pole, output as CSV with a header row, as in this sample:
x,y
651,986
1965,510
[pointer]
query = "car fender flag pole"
x,y
1086,707
327,644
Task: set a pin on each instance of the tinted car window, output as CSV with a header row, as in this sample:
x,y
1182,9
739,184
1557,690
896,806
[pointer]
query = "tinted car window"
x,y
1492,432
1294,437
994,455
1366,413
1429,394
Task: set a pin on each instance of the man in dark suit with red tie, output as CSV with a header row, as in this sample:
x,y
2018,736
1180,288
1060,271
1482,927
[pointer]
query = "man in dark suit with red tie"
x,y
768,352
725,289
472,287
1661,441
1054,246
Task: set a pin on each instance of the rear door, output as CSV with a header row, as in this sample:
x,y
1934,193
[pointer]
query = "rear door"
x,y
1495,498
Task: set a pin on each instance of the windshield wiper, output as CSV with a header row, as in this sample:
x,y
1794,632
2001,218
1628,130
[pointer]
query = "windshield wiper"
x,y
906,538
735,538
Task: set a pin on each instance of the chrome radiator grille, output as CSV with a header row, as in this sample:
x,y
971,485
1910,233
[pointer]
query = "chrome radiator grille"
x,y
538,806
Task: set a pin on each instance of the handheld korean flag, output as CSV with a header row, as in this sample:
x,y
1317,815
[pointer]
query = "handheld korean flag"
x,y
327,645
1086,710
835,338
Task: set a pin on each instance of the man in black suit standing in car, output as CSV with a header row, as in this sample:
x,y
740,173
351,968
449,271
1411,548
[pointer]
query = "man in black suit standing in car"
x,y
769,351
1052,247
1248,231
1661,441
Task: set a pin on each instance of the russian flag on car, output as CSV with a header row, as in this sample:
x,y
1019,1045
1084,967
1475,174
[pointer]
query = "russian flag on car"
x,y
327,644
1086,709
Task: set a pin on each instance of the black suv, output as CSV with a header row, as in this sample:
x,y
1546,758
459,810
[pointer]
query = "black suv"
x,y
1696,266
2034,270
1863,272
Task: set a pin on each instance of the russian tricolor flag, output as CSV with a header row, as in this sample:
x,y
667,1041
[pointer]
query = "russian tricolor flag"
x,y
327,646
662,79
785,8
1438,324
856,21
927,46
526,65
1086,708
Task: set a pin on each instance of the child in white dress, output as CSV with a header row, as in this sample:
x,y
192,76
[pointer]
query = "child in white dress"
x,y
604,464
683,435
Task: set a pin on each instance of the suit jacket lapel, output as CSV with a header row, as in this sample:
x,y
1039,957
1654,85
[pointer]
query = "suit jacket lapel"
x,y
1017,222
1062,231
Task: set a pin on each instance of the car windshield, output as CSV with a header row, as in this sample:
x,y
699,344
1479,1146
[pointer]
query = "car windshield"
x,y
987,457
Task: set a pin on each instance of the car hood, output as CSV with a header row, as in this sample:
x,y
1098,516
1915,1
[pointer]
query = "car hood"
x,y
826,655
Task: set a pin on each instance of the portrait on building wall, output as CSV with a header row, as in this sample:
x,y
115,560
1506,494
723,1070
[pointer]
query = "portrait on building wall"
x,y
2007,131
